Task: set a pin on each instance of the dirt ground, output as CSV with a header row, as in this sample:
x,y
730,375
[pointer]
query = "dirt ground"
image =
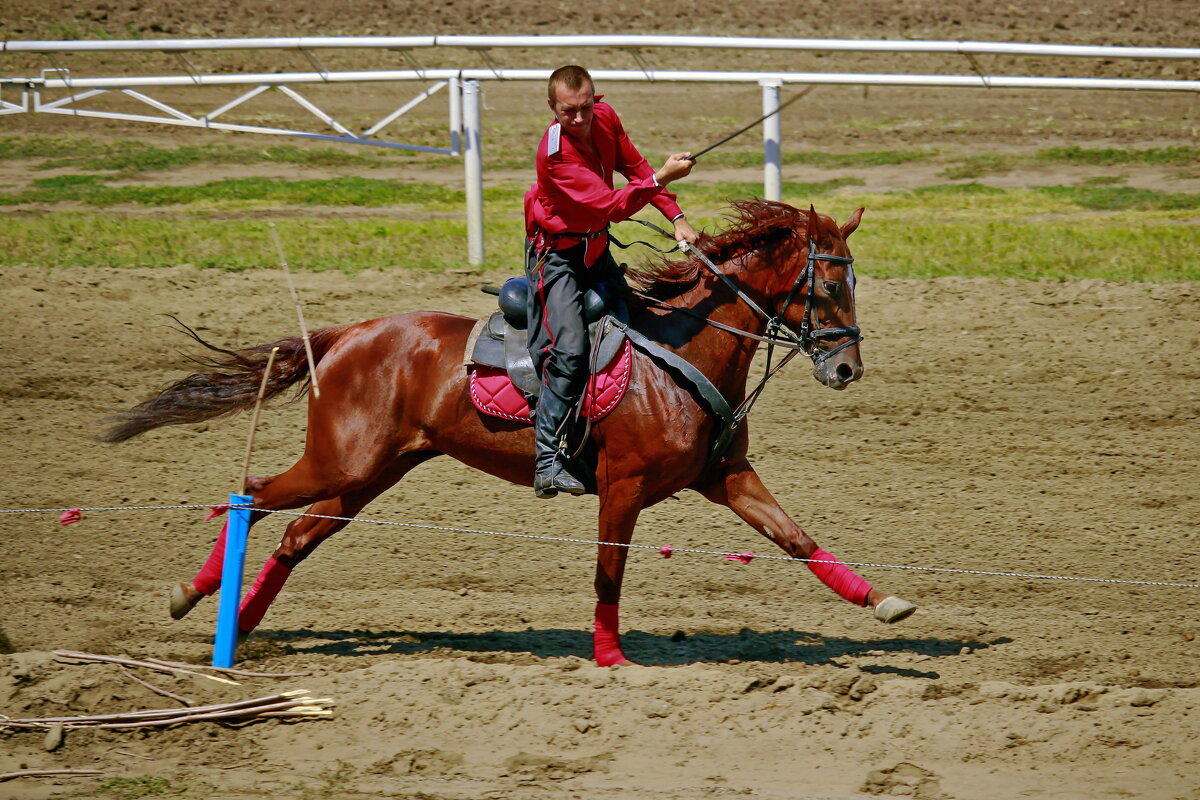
x,y
1030,427
1040,428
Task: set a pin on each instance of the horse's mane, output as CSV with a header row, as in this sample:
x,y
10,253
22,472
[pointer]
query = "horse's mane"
x,y
752,225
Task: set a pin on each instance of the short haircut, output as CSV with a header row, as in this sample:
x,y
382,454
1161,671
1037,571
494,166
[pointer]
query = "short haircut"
x,y
571,77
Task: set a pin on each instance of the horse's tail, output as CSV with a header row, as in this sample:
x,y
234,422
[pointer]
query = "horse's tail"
x,y
231,383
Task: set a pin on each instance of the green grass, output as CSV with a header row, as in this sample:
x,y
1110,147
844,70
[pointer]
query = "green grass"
x,y
350,245
90,189
1102,156
928,248
919,238
1095,229
134,788
1117,198
715,196
130,156
978,166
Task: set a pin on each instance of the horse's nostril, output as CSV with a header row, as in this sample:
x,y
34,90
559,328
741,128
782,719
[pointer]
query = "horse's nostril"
x,y
845,373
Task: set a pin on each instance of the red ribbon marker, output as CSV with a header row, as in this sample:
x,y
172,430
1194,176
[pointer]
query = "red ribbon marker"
x,y
665,551
744,558
68,517
217,511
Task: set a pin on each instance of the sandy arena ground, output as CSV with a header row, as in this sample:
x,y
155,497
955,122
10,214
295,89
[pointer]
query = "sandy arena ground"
x,y
1028,427
1002,426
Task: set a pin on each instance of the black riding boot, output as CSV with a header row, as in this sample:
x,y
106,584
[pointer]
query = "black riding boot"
x,y
551,475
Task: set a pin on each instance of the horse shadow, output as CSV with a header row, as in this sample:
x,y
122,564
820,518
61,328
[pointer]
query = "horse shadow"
x,y
783,646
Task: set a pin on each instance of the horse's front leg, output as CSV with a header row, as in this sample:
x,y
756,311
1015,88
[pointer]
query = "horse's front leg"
x,y
620,504
739,487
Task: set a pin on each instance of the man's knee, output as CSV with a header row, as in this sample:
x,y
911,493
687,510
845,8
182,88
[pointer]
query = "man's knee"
x,y
570,367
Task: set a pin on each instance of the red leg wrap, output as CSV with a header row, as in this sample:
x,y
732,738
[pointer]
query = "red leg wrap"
x,y
607,639
840,578
262,593
208,579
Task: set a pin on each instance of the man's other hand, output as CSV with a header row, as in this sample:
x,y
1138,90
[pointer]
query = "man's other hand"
x,y
677,166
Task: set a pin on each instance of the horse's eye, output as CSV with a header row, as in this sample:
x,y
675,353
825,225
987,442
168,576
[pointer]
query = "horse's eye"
x,y
831,287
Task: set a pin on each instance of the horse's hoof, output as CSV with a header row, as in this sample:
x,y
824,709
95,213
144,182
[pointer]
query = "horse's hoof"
x,y
893,609
181,602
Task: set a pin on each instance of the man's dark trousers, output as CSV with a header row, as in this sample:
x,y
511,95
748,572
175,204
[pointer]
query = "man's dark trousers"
x,y
558,337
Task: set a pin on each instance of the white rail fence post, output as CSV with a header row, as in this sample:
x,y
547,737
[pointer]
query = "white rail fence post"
x,y
455,91
473,169
772,134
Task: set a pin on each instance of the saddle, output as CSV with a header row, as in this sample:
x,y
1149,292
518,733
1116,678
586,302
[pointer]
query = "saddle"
x,y
503,379
502,376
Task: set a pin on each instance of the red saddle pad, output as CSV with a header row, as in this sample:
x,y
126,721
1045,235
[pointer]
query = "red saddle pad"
x,y
493,392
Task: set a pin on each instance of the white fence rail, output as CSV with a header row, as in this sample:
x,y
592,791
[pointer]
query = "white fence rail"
x,y
463,84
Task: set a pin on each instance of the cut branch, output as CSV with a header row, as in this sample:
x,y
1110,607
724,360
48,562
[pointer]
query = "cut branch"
x,y
231,671
187,701
133,662
46,773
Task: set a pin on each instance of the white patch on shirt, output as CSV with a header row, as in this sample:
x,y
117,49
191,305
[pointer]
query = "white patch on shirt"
x,y
555,139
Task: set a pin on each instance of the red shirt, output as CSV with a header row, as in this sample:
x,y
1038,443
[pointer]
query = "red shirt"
x,y
574,190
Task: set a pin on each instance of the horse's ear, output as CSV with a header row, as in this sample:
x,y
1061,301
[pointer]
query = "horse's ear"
x,y
814,224
851,225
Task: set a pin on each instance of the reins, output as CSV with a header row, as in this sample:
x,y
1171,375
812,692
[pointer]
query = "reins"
x,y
778,334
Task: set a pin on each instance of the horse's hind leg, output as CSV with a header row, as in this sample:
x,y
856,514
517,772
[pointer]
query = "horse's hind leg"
x,y
740,488
305,534
301,538
185,596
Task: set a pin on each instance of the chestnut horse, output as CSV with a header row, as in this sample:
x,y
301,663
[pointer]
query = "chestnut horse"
x,y
394,393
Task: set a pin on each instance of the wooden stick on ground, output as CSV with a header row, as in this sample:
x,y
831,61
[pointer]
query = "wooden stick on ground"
x,y
245,673
187,701
46,773
133,662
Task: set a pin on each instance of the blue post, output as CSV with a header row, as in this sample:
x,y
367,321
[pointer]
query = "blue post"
x,y
231,579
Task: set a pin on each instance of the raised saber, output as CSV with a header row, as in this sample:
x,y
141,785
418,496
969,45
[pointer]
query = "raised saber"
x,y
740,131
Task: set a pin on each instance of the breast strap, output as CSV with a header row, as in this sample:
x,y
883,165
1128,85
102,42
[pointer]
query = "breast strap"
x,y
712,396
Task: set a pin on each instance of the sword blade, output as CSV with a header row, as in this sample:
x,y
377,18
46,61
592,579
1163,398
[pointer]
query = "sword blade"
x,y
740,131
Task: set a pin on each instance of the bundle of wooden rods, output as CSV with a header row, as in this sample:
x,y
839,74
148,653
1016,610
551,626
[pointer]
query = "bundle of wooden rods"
x,y
295,704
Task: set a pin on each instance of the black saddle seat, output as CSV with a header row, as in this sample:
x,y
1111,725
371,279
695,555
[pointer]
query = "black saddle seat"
x,y
514,297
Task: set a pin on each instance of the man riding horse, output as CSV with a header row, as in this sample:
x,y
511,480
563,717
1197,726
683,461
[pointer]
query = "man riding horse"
x,y
776,275
567,214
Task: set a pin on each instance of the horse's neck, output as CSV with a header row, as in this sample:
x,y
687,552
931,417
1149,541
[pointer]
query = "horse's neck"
x,y
722,356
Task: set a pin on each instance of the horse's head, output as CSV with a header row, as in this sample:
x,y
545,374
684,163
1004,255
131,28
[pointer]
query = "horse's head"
x,y
792,272
818,304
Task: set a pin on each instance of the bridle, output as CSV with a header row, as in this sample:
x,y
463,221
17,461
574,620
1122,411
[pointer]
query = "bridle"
x,y
778,333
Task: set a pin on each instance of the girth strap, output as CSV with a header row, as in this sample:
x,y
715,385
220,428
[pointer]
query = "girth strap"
x,y
710,394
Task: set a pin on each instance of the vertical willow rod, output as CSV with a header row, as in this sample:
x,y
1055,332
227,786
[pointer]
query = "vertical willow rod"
x,y
312,364
262,390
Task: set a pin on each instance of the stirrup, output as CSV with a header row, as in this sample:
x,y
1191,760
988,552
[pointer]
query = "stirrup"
x,y
556,479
